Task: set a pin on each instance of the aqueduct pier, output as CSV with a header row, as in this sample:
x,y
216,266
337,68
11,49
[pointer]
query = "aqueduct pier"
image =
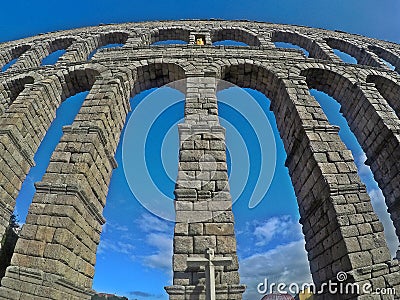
x,y
54,257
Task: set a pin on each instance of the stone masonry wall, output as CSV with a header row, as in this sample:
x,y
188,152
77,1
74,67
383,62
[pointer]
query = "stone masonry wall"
x,y
55,256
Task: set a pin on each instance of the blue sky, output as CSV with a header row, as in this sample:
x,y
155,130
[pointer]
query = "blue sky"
x,y
134,253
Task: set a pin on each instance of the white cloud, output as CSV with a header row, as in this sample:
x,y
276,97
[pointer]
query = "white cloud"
x,y
159,239
109,227
285,263
363,169
107,245
162,256
282,228
116,238
151,223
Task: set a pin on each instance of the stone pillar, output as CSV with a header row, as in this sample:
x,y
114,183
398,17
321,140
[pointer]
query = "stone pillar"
x,y
377,129
203,203
54,257
22,128
342,232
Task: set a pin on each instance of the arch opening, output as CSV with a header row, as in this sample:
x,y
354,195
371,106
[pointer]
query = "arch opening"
x,y
281,204
390,66
55,50
230,43
109,40
272,226
8,65
345,57
169,34
291,46
160,147
53,57
11,89
122,247
239,35
344,49
169,42
13,56
286,39
303,156
330,85
108,46
388,57
65,115
332,110
388,89
26,107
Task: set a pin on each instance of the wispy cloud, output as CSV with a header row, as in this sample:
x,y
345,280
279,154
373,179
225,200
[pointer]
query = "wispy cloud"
x,y
161,258
363,169
159,240
116,238
286,263
121,247
109,227
284,228
151,223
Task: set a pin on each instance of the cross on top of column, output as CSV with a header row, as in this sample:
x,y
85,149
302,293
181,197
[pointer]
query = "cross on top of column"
x,y
210,261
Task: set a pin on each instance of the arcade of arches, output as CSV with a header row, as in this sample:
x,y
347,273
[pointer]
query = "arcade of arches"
x,y
54,256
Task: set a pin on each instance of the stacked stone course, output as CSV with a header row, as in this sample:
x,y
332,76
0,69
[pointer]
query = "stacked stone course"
x,y
56,253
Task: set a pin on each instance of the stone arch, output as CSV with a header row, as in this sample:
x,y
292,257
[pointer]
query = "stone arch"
x,y
167,33
91,142
362,56
316,179
56,253
113,37
38,103
78,79
14,53
156,74
373,124
81,50
301,40
388,88
236,34
103,39
62,43
11,88
34,56
387,55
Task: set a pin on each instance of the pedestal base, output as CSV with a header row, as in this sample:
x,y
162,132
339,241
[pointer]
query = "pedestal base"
x,y
191,292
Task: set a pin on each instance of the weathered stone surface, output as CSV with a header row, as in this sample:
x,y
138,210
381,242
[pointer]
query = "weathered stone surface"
x,y
55,255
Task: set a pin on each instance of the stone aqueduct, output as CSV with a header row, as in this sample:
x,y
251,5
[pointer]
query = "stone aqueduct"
x,y
54,257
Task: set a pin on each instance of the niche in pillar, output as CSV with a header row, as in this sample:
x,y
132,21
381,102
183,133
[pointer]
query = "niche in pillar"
x,y
200,38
